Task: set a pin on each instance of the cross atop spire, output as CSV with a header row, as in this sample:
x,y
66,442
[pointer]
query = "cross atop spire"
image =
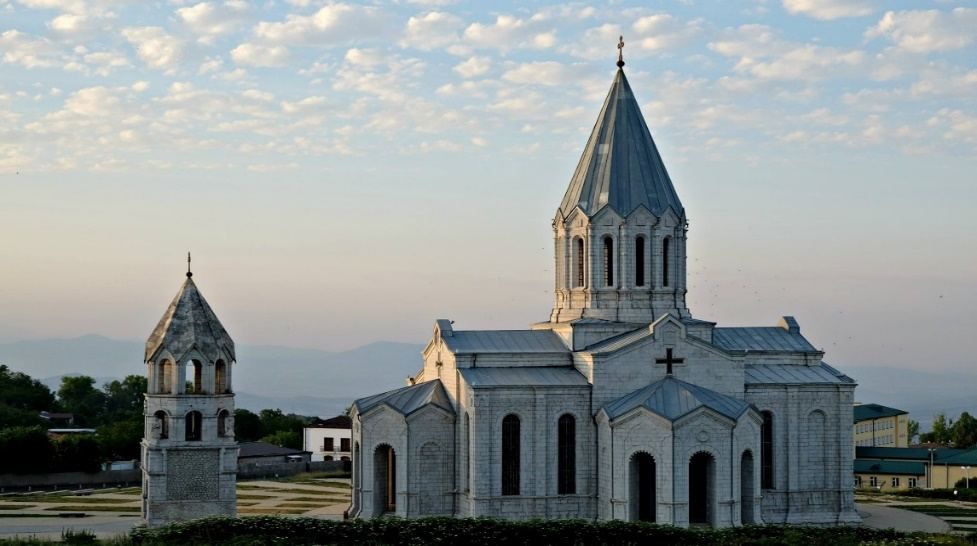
x,y
620,52
189,273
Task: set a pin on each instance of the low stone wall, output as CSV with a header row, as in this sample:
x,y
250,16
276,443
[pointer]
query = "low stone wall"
x,y
126,478
69,480
255,471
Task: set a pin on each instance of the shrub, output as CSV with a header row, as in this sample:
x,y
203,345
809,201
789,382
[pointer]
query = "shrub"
x,y
272,530
962,494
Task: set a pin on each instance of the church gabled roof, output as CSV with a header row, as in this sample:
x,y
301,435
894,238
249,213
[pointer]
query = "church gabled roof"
x,y
189,323
673,398
407,400
620,166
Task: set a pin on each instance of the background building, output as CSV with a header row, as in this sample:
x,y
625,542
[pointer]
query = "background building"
x,y
889,468
880,426
329,439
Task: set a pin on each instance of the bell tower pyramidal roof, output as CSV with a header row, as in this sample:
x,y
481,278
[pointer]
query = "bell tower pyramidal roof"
x,y
190,324
620,167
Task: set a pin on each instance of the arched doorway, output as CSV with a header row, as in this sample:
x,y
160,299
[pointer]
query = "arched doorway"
x,y
702,488
746,489
385,479
643,484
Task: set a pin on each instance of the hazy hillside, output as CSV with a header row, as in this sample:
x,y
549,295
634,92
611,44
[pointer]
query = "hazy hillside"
x,y
304,381
309,381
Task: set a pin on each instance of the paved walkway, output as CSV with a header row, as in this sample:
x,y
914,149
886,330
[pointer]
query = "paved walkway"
x,y
102,526
885,517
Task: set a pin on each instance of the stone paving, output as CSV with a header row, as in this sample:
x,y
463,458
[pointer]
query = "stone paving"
x,y
907,513
112,512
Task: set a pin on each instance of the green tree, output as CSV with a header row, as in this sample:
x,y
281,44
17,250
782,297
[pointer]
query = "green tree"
x,y
285,438
247,425
19,390
25,450
76,453
964,431
22,399
940,433
273,420
124,399
79,396
120,440
912,430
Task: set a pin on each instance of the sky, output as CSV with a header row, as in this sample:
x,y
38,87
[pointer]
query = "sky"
x,y
348,172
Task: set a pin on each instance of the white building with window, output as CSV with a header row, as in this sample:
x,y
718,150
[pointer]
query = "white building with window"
x,y
622,405
329,439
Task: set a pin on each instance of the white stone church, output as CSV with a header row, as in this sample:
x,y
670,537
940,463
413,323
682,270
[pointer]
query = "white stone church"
x,y
622,405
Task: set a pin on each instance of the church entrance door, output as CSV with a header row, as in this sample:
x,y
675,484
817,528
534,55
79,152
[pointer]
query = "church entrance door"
x,y
746,489
643,484
701,488
385,480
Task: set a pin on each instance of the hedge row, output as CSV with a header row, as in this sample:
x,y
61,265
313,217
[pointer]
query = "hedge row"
x,y
273,530
962,494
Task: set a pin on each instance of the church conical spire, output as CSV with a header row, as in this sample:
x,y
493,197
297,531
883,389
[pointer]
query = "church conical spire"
x,y
620,166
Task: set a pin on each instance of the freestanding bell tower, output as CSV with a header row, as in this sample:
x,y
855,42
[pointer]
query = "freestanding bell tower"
x,y
189,455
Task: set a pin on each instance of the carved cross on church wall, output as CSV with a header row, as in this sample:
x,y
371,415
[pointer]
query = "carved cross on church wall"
x,y
669,360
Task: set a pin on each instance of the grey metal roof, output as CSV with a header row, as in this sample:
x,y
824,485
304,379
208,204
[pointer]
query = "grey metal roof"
x,y
761,338
264,449
673,398
619,341
189,323
620,167
407,400
535,376
505,341
793,374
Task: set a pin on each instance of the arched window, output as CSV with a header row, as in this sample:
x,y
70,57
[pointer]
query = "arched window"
x,y
222,423
194,383
166,377
567,455
220,378
161,424
327,458
608,261
639,261
766,451
578,261
666,243
468,453
510,455
194,422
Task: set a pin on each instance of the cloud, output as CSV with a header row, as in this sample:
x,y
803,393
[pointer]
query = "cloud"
x,y
928,31
210,20
27,51
545,73
508,32
155,47
762,54
827,10
474,66
251,54
332,24
431,30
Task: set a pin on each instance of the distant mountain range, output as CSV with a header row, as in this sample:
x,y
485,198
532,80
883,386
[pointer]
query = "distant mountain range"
x,y
305,381
314,382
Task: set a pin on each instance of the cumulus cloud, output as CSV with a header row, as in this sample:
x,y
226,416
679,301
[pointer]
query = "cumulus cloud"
x,y
548,73
928,31
332,24
474,66
761,53
829,9
27,51
431,30
210,20
155,46
508,32
251,54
